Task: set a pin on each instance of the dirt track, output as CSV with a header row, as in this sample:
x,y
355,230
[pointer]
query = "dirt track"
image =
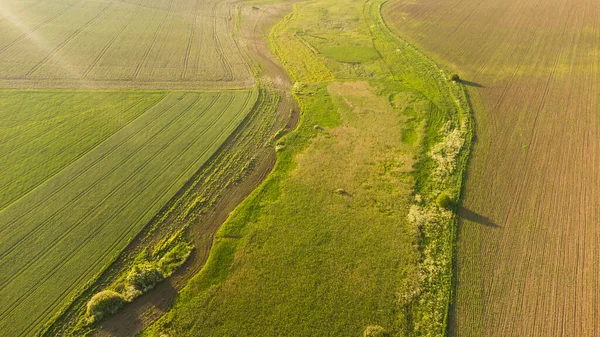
x,y
528,256
149,307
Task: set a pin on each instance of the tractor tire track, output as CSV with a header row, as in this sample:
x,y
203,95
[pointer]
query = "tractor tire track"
x,y
68,39
109,44
190,42
91,164
99,180
149,182
228,76
139,66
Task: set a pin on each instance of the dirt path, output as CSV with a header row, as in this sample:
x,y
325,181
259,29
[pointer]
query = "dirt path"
x,y
150,306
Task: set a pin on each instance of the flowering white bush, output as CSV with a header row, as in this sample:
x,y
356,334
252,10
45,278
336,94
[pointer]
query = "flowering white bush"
x,y
434,222
445,153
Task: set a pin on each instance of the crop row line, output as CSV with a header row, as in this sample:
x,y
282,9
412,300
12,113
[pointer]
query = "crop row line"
x,y
190,41
38,27
110,43
68,39
112,192
224,59
90,165
149,183
8,203
140,64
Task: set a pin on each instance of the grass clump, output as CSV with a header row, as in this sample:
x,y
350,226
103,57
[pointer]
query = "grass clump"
x,y
104,303
375,331
144,277
174,258
444,200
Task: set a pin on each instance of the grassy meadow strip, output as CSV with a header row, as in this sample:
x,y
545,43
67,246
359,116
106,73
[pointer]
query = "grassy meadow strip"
x,y
102,200
353,231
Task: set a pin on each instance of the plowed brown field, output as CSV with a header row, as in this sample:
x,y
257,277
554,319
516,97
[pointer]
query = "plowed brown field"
x,y
529,248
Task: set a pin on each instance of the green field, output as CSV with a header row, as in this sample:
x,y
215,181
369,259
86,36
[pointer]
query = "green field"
x,y
57,237
42,132
108,43
326,246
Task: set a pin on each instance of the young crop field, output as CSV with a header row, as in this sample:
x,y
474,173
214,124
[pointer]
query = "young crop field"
x,y
326,246
123,161
42,132
528,243
158,44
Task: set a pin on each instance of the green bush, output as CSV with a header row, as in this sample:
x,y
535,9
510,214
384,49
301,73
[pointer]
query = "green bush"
x,y
375,331
144,277
455,77
444,200
174,258
104,303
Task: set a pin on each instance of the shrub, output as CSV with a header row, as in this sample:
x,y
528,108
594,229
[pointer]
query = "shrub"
x,y
104,303
455,77
375,331
144,277
444,200
174,258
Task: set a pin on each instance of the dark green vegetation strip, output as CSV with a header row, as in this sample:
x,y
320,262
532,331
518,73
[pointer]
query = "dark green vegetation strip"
x,y
355,226
61,235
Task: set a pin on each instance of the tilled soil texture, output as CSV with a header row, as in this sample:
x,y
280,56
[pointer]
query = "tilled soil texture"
x,y
528,243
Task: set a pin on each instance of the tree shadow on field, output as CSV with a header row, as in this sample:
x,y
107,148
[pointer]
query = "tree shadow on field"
x,y
467,214
471,84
